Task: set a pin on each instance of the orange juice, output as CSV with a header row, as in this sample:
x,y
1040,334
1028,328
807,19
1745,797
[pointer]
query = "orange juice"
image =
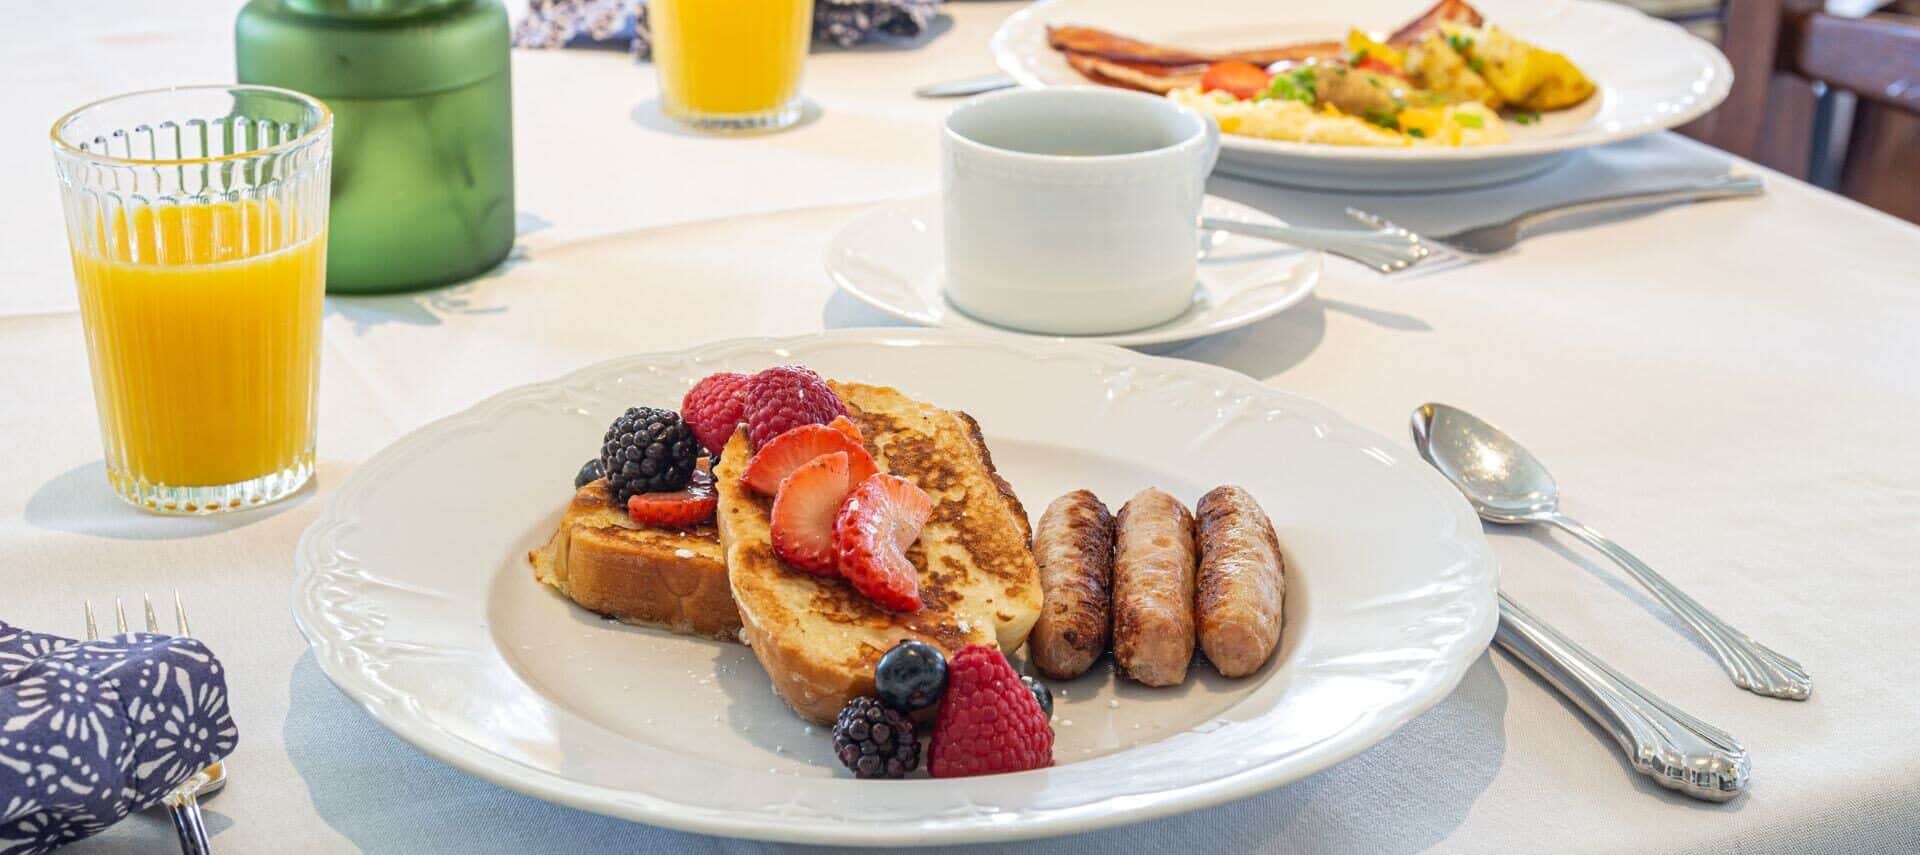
x,y
203,325
730,59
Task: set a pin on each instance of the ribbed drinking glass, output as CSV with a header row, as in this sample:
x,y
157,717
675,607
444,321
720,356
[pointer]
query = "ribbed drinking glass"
x,y
197,222
730,65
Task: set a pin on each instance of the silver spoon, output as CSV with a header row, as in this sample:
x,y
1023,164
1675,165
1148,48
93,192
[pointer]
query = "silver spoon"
x,y
1507,485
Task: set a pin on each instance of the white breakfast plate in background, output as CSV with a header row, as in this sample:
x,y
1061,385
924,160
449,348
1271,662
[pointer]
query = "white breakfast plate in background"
x,y
891,258
1651,75
414,591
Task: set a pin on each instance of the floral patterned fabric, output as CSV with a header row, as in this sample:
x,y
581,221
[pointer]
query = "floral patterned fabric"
x,y
623,23
91,731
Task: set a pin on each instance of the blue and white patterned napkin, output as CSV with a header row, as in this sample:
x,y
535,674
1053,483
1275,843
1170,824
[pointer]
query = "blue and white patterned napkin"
x,y
623,23
92,731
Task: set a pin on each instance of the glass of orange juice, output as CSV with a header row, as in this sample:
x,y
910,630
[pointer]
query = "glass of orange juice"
x,y
197,222
730,65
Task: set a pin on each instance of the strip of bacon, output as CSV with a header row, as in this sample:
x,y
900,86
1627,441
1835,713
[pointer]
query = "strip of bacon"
x,y
1117,48
1118,60
1146,77
1114,47
1445,11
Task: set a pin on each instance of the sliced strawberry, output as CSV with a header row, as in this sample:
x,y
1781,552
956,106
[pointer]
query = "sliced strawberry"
x,y
1243,80
793,449
846,426
881,518
804,510
680,509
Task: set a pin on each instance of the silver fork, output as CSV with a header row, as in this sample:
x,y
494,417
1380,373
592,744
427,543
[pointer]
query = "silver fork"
x,y
1386,249
1494,238
183,802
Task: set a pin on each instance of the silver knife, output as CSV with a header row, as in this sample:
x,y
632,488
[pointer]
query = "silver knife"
x,y
1674,749
963,88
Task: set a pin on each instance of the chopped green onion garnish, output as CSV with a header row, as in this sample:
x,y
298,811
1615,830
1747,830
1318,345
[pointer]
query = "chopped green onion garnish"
x,y
1527,117
1468,120
1416,132
1296,86
1385,120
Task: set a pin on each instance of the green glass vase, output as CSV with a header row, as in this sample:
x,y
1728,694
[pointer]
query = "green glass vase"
x,y
423,129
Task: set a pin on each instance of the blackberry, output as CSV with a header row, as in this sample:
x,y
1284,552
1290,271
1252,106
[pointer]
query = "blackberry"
x,y
647,450
875,741
1040,693
911,676
589,473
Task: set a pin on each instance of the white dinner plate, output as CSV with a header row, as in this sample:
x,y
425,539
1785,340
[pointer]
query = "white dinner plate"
x,y
891,258
414,591
1651,75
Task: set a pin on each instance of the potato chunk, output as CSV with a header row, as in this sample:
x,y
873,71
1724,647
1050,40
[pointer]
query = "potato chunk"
x,y
1527,77
1434,64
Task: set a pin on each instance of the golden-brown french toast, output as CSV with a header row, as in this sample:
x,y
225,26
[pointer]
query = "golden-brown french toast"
x,y
608,564
819,638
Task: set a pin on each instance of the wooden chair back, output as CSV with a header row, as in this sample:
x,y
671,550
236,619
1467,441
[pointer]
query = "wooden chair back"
x,y
1783,52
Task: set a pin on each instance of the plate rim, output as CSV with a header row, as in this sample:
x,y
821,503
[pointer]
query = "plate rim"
x,y
1313,261
1006,57
400,715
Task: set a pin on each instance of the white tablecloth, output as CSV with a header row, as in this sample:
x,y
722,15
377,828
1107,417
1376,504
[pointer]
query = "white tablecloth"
x,y
1728,388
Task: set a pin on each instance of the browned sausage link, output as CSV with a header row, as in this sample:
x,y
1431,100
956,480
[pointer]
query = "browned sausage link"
x,y
1074,547
1242,581
1153,567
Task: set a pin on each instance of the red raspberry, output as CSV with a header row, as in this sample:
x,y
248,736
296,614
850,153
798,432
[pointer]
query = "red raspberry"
x,y
785,397
681,509
989,723
881,518
714,407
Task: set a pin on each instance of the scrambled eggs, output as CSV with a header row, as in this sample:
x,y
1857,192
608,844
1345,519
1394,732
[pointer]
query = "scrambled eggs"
x,y
1465,123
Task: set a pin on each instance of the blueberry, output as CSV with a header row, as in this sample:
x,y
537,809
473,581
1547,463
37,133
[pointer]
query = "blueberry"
x,y
1040,693
911,676
589,472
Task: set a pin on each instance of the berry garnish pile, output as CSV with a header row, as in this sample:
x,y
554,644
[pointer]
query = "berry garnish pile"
x,y
835,514
650,456
990,720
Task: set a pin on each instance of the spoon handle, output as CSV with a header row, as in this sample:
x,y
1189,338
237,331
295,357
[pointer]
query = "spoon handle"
x,y
1677,750
1752,665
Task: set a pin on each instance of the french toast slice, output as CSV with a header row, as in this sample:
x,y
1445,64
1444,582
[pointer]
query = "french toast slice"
x,y
818,638
608,564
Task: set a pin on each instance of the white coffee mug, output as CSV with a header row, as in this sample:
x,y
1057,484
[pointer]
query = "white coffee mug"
x,y
1074,210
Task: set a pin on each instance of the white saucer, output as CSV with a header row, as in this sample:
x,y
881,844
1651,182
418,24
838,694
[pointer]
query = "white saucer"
x,y
890,258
